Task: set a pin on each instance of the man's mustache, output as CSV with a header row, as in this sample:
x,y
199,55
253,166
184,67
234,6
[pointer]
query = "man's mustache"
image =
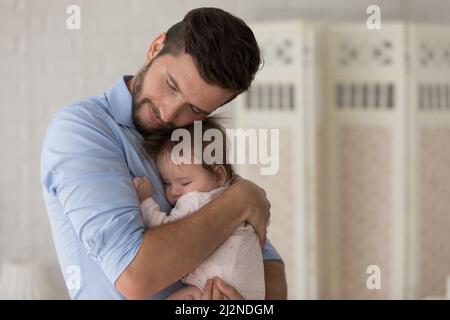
x,y
166,125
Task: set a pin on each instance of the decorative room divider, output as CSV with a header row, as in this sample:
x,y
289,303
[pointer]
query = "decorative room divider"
x,y
364,178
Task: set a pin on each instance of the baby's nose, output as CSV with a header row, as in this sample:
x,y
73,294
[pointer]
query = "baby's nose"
x,y
176,191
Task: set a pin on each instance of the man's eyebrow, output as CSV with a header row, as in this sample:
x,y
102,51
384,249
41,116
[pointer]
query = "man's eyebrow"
x,y
172,79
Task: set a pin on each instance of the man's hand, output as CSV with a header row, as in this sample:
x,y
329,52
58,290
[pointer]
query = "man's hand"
x,y
144,188
187,293
257,207
217,289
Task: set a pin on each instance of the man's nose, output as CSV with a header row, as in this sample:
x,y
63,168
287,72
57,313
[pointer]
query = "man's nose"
x,y
170,110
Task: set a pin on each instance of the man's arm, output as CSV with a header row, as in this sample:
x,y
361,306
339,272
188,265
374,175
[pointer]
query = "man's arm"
x,y
170,251
275,278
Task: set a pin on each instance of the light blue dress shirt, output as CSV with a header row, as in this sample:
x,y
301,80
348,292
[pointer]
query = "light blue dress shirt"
x,y
90,154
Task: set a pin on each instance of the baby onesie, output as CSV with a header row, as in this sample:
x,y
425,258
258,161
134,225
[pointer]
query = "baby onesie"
x,y
238,260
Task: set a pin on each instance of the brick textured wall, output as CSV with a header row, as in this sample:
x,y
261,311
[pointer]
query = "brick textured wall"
x,y
45,66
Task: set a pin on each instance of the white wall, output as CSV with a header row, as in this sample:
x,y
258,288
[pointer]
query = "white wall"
x,y
45,66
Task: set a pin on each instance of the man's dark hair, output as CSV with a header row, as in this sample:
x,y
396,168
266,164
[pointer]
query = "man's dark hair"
x,y
223,47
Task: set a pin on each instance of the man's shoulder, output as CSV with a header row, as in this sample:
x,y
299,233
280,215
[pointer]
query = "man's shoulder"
x,y
85,117
92,109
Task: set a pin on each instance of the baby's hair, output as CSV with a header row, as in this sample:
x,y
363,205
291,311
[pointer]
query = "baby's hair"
x,y
160,141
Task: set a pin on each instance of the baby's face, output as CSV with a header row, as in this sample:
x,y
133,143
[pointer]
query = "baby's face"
x,y
183,178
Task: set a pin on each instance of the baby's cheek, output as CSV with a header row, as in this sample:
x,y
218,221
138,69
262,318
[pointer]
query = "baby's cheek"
x,y
189,188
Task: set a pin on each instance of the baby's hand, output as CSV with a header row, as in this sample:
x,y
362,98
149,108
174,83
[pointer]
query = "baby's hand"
x,y
144,188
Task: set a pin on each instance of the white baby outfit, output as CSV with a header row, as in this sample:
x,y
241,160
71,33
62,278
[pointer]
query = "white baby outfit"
x,y
238,261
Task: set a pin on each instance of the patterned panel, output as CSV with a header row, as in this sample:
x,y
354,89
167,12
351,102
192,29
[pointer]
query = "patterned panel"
x,y
434,96
362,53
277,51
365,96
275,97
280,194
434,216
434,54
365,208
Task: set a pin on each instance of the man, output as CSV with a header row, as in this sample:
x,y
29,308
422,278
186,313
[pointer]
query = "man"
x,y
92,151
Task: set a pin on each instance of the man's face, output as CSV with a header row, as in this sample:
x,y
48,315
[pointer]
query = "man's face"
x,y
169,92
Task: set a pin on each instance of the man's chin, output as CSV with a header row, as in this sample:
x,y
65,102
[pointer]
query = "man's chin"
x,y
144,130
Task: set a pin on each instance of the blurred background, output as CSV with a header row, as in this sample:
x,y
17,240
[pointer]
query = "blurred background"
x,y
364,118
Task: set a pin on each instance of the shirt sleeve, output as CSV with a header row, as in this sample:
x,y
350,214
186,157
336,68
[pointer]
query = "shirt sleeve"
x,y
84,166
270,253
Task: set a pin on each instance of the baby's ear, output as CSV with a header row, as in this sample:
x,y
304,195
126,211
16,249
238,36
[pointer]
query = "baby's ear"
x,y
221,174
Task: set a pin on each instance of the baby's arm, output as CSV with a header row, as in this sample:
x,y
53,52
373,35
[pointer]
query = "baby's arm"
x,y
151,213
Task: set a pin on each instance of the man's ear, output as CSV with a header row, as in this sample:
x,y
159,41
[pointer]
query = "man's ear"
x,y
221,174
156,46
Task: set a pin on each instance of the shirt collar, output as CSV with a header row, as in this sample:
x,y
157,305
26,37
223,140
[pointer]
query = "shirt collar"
x,y
119,100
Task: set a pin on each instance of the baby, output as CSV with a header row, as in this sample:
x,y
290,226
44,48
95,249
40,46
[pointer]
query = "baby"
x,y
238,261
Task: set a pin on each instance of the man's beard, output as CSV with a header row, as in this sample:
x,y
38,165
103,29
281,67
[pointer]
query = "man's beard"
x,y
137,105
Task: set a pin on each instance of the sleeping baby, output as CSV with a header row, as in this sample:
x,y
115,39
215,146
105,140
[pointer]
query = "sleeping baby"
x,y
188,187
